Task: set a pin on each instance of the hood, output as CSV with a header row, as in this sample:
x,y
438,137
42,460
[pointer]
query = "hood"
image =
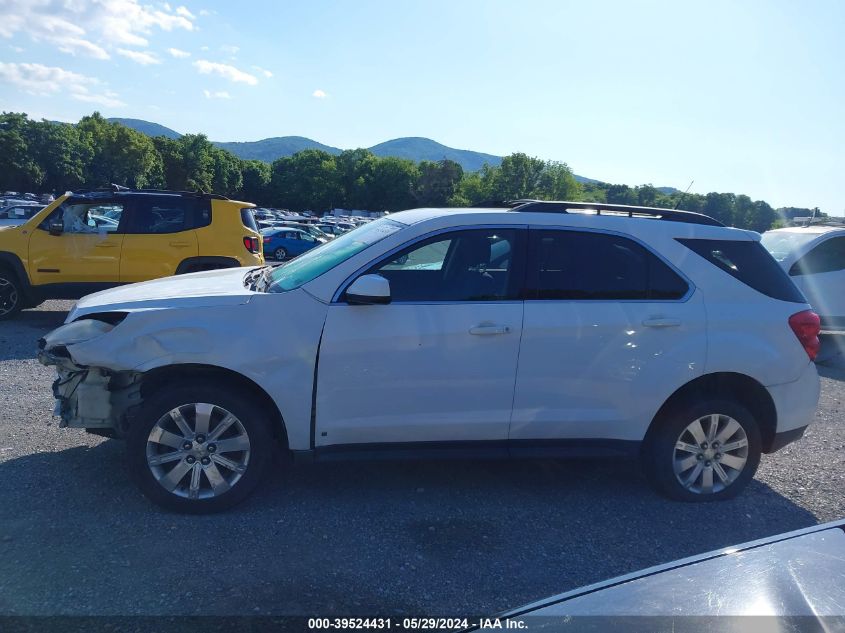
x,y
207,288
798,574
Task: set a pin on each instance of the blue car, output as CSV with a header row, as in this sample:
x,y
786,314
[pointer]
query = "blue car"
x,y
283,242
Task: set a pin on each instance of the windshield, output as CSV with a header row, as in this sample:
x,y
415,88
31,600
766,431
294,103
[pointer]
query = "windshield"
x,y
782,244
315,262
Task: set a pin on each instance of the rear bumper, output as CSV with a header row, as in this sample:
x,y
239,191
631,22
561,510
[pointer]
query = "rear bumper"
x,y
795,404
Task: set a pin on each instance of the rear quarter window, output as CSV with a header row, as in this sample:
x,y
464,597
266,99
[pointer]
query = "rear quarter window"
x,y
248,219
750,263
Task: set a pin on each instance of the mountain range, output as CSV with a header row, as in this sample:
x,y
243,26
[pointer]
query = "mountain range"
x,y
414,148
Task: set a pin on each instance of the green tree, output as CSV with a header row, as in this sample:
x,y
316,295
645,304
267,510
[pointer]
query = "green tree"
x,y
557,182
197,161
393,184
18,169
308,180
256,181
355,169
437,182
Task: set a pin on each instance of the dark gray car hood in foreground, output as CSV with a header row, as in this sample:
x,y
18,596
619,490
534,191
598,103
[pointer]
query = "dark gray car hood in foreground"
x,y
794,581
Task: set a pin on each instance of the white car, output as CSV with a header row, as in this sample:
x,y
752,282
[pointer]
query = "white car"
x,y
17,214
814,256
545,330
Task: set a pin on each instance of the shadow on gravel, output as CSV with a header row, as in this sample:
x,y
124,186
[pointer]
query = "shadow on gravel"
x,y
408,538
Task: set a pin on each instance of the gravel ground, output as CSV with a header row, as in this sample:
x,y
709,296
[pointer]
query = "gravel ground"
x,y
443,538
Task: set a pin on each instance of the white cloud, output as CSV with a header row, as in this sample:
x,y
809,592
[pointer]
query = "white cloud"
x,y
74,26
183,11
44,81
139,57
203,48
319,94
263,71
221,94
177,52
226,71
230,49
17,49
205,12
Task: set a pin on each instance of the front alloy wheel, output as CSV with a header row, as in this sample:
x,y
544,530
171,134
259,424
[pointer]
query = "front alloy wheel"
x,y
199,447
198,450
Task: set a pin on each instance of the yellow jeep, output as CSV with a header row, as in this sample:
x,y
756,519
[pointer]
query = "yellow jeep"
x,y
88,241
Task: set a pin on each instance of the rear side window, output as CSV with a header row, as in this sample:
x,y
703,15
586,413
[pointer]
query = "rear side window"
x,y
248,219
750,263
581,265
827,257
168,214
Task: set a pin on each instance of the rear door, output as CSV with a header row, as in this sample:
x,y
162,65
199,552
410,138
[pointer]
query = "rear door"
x,y
820,275
610,331
159,236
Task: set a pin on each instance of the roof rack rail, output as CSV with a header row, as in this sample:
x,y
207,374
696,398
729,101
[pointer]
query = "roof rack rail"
x,y
121,189
655,213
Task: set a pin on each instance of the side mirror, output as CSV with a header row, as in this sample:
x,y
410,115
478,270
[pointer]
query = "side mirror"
x,y
368,290
56,227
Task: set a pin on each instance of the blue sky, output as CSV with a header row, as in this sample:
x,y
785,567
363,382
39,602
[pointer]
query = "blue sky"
x,y
739,96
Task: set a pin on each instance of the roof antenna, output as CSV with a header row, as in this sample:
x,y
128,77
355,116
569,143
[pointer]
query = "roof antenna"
x,y
681,198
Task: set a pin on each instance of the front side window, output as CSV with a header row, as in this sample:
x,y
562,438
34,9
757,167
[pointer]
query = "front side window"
x,y
827,257
86,217
581,265
469,265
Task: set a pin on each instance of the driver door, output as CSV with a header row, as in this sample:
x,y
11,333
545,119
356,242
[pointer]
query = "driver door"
x,y
87,251
436,364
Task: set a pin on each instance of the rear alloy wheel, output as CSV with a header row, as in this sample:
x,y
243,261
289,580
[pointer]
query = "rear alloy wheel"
x,y
198,449
279,254
11,300
703,452
710,454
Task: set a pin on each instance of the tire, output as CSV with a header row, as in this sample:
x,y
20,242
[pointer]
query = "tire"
x,y
279,254
677,464
11,295
155,463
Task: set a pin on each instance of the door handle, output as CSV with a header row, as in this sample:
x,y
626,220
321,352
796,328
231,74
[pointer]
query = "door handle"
x,y
489,330
661,322
179,244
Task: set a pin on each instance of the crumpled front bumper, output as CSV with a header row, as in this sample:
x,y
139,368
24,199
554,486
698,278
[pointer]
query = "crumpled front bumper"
x,y
90,397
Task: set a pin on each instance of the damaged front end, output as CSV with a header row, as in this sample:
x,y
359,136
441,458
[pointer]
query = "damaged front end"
x,y
97,399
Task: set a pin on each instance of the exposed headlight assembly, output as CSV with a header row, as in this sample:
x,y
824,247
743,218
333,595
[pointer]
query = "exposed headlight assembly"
x,y
73,333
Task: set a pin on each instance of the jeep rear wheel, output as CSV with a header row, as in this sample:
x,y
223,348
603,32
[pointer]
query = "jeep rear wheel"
x,y
198,448
703,451
11,298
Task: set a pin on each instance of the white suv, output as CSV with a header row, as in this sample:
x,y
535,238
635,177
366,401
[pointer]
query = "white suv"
x,y
542,329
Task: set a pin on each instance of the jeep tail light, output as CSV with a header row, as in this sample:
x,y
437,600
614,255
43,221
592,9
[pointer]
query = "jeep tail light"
x,y
807,326
252,245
